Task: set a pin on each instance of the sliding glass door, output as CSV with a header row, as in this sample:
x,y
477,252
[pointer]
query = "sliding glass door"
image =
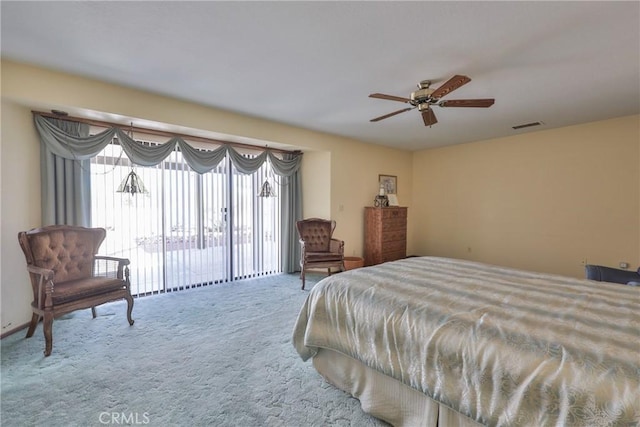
x,y
186,229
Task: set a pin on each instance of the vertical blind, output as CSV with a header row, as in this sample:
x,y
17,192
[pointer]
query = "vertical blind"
x,y
188,229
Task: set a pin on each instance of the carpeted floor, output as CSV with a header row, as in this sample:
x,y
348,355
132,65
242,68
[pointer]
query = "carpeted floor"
x,y
214,356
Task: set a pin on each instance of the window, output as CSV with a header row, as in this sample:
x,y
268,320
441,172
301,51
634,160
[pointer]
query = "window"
x,y
188,229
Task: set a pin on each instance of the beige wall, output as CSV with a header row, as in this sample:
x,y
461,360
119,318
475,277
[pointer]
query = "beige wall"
x,y
340,175
20,208
544,201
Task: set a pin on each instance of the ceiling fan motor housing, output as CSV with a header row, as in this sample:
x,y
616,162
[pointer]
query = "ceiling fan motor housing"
x,y
422,95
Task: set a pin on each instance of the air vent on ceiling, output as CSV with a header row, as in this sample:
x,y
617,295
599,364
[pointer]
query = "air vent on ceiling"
x,y
527,125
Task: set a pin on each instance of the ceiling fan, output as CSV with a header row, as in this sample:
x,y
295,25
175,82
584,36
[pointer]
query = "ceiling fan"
x,y
425,97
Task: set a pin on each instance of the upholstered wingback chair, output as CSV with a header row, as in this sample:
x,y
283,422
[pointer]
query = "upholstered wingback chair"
x,y
319,248
67,275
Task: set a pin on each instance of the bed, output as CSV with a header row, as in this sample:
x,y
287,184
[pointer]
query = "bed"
x,y
441,342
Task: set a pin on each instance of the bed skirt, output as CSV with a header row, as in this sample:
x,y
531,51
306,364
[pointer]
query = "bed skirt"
x,y
384,397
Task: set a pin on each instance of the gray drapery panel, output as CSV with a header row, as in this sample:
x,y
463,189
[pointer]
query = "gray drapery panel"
x,y
291,211
65,183
59,137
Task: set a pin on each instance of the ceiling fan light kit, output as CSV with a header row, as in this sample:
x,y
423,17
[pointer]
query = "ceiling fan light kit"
x,y
426,97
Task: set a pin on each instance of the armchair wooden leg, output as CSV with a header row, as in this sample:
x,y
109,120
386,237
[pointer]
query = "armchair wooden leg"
x,y
93,312
129,308
48,333
35,318
302,277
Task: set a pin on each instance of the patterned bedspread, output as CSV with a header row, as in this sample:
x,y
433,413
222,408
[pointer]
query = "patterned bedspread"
x,y
504,347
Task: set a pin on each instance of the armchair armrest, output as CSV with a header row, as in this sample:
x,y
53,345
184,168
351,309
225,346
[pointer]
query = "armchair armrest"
x,y
45,272
121,272
337,246
124,261
42,293
303,251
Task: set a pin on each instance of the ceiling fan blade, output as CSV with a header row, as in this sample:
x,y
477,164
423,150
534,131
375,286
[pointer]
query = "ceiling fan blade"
x,y
389,97
429,117
450,85
390,114
480,103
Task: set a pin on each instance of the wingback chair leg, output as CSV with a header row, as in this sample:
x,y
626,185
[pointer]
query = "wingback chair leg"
x,y
93,312
129,308
48,333
35,318
302,277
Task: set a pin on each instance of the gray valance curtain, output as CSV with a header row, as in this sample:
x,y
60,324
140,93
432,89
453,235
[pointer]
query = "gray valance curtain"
x,y
71,141
76,147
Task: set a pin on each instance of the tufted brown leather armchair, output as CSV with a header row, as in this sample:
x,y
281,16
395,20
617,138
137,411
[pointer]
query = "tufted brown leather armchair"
x,y
67,275
319,248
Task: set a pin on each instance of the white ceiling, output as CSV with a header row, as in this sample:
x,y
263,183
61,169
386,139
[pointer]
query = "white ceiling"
x,y
313,64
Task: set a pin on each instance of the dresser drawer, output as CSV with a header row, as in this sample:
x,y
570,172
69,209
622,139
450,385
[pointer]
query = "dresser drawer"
x,y
391,213
395,246
395,235
394,224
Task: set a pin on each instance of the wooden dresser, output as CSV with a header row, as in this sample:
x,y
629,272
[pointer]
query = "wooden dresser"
x,y
385,234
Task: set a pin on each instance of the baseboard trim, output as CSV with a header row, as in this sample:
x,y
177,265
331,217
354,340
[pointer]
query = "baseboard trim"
x,y
14,330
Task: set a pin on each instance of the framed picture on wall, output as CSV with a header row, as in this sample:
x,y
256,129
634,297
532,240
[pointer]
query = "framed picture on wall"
x,y
389,183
